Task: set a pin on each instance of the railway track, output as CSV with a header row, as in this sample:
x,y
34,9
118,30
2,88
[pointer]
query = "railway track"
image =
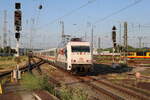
x,y
126,93
105,88
24,68
100,89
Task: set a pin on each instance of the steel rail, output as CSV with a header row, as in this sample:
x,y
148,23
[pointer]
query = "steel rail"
x,y
23,69
98,89
127,91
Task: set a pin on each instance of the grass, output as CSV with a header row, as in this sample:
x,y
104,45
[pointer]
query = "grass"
x,y
146,72
31,83
73,94
10,62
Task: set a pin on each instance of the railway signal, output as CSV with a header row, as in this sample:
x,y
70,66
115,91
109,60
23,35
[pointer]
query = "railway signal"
x,y
114,36
18,20
40,7
17,24
17,36
17,17
114,41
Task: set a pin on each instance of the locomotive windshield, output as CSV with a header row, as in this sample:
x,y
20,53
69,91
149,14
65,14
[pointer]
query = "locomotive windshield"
x,y
80,49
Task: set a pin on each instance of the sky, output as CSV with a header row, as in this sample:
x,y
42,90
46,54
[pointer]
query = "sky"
x,y
78,16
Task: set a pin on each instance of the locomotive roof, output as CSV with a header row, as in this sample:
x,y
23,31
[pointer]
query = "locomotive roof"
x,y
79,43
51,49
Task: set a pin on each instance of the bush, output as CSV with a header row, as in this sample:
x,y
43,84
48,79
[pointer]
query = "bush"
x,y
80,94
73,94
30,82
47,86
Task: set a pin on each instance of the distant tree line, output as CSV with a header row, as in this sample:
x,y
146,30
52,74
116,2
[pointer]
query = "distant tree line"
x,y
7,50
121,48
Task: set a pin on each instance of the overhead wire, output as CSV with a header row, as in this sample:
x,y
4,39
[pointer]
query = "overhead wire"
x,y
69,13
115,13
118,11
39,10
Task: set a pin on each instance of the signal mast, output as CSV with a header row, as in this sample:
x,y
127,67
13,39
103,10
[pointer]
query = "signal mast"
x,y
17,25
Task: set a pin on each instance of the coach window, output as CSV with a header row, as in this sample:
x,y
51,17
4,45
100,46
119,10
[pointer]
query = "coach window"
x,y
51,53
141,53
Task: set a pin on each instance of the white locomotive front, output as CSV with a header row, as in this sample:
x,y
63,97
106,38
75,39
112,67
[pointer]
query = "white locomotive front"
x,y
76,56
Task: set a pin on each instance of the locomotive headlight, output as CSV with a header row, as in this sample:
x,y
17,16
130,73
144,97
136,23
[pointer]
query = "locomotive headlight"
x,y
73,60
88,60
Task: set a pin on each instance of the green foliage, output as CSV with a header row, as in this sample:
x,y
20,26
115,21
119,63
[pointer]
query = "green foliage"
x,y
47,86
146,72
31,82
73,94
9,62
6,58
66,93
80,94
1,50
99,50
17,60
3,66
3,81
7,49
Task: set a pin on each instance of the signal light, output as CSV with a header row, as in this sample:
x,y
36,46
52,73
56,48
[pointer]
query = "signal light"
x,y
114,36
73,60
114,28
40,6
115,44
17,35
17,5
17,18
18,28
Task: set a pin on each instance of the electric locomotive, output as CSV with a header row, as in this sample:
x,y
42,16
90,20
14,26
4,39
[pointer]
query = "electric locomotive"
x,y
75,56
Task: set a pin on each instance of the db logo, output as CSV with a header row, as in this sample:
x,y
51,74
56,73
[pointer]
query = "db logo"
x,y
61,52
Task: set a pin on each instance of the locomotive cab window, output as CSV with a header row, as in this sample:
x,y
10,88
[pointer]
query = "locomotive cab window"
x,y
80,49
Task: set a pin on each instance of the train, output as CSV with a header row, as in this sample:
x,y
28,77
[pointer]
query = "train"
x,y
130,55
139,54
75,56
